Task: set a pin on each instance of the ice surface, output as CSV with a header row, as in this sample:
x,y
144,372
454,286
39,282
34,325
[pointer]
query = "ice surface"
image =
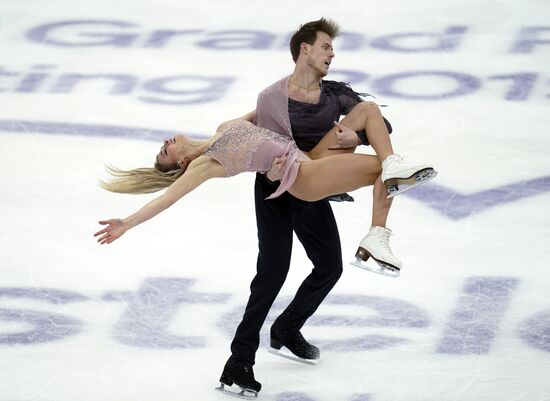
x,y
151,316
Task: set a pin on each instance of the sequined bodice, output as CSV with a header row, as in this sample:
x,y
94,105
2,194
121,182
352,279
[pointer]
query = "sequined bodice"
x,y
242,146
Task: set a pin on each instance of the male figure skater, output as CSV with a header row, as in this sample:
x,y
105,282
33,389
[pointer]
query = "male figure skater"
x,y
305,106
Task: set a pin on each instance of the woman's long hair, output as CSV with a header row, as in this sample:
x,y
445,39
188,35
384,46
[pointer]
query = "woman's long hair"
x,y
140,180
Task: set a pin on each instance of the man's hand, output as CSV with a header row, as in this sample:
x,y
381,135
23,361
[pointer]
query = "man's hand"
x,y
345,137
277,168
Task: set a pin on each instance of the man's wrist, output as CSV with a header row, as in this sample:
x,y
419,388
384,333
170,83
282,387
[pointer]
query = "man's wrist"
x,y
269,181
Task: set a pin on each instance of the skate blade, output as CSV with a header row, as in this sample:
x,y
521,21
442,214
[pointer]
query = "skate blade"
x,y
242,393
399,186
292,357
381,268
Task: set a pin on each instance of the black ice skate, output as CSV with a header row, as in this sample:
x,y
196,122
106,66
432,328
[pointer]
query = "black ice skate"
x,y
300,349
242,376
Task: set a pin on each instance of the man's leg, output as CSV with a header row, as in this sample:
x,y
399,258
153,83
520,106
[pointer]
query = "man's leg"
x,y
317,231
274,220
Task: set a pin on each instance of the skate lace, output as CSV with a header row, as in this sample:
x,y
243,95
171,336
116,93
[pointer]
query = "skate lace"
x,y
395,159
401,159
385,241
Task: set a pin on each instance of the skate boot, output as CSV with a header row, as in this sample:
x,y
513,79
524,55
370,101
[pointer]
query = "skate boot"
x,y
376,244
243,377
399,176
300,349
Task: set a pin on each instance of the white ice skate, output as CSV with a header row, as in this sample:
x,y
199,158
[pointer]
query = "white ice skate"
x,y
399,176
376,244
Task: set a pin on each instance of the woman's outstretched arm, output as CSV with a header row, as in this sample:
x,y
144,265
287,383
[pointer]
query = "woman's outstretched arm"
x,y
200,170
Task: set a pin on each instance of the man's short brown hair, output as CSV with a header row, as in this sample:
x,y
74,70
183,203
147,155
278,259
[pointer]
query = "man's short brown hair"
x,y
308,33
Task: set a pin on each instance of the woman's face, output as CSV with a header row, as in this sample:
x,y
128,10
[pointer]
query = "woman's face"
x,y
171,152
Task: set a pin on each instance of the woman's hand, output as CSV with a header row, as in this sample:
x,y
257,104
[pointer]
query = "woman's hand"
x,y
277,168
114,230
345,137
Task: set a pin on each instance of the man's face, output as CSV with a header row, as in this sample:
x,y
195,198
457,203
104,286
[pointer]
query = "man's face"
x,y
320,54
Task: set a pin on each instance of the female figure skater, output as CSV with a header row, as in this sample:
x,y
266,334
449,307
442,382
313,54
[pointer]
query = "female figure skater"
x,y
238,146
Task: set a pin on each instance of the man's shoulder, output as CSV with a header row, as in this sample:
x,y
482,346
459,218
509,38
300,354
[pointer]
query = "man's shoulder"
x,y
335,83
336,88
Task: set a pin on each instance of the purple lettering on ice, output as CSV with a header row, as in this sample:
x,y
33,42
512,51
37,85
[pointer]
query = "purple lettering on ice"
x,y
521,85
45,327
456,206
388,85
293,396
4,73
345,42
535,330
232,40
350,77
213,89
53,34
125,34
32,81
161,38
389,313
447,41
166,90
475,321
361,397
93,130
529,37
122,83
152,309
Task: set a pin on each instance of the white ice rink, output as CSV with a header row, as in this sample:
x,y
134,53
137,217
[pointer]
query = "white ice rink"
x,y
151,316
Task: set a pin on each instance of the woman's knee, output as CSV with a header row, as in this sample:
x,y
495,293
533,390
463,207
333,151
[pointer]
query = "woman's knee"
x,y
367,108
375,165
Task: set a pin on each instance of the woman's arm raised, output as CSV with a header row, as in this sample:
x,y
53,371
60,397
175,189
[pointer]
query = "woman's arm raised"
x,y
200,170
247,117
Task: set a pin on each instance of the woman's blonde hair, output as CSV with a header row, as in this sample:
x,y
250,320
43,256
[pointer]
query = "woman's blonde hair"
x,y
141,180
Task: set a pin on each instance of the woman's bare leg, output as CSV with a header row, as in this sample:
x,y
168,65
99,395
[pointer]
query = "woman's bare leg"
x,y
367,116
380,203
364,116
335,174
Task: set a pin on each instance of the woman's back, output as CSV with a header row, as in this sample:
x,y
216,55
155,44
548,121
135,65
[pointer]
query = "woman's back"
x,y
242,146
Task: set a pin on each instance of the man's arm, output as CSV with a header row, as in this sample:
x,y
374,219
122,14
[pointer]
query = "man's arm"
x,y
250,117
